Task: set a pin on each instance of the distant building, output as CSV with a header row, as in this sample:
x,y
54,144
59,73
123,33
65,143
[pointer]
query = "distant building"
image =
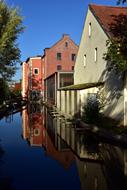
x,y
14,86
60,58
33,78
59,61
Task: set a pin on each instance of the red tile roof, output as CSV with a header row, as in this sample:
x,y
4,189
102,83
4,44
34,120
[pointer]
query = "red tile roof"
x,y
107,15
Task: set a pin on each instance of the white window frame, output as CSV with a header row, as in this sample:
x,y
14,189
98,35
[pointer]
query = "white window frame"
x,y
36,132
90,29
36,69
95,54
84,60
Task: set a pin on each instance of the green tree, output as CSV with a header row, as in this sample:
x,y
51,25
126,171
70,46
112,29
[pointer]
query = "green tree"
x,y
117,45
4,90
10,28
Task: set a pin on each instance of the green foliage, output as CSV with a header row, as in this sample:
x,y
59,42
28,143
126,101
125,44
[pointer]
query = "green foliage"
x,y
16,93
91,110
117,45
115,58
4,91
10,28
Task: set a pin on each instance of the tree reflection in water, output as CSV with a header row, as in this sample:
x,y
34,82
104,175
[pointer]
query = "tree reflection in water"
x,y
5,181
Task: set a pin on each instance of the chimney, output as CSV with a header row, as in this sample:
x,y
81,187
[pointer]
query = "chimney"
x,y
65,35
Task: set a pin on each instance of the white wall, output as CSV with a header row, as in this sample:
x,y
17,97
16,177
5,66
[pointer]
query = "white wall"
x,y
97,71
92,72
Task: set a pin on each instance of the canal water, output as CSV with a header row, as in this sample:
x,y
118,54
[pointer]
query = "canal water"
x,y
39,151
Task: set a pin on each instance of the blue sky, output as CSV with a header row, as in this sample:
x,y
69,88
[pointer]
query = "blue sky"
x,y
47,20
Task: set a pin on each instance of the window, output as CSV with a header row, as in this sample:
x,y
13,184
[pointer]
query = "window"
x,y
36,132
73,57
58,56
66,44
36,71
72,68
90,29
65,79
85,60
95,55
59,67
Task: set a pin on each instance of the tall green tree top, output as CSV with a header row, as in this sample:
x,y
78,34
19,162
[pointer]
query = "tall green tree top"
x,y
10,28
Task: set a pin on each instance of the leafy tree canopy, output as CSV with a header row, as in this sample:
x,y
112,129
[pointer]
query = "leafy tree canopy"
x,y
117,45
10,28
4,90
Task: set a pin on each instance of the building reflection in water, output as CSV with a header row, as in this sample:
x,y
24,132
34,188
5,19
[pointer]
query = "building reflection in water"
x,y
36,133
33,130
100,166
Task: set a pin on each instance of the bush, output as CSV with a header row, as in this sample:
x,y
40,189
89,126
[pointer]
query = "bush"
x,y
91,110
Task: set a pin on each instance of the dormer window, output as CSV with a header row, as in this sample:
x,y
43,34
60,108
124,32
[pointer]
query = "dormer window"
x,y
90,29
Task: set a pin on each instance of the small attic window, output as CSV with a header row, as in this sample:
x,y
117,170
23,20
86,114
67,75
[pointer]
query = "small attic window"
x,y
66,44
90,29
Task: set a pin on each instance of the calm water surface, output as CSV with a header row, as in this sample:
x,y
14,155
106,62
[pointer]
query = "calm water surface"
x,y
38,152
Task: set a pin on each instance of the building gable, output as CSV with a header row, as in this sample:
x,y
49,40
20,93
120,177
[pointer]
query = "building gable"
x,y
61,56
107,16
65,42
90,63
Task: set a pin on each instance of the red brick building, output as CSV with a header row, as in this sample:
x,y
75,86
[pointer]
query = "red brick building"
x,y
61,56
59,61
33,77
14,86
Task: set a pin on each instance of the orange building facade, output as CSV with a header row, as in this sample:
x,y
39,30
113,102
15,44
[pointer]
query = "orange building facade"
x,y
59,58
33,78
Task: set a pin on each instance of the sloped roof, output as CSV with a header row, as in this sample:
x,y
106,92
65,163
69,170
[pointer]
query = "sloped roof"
x,y
107,15
82,86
